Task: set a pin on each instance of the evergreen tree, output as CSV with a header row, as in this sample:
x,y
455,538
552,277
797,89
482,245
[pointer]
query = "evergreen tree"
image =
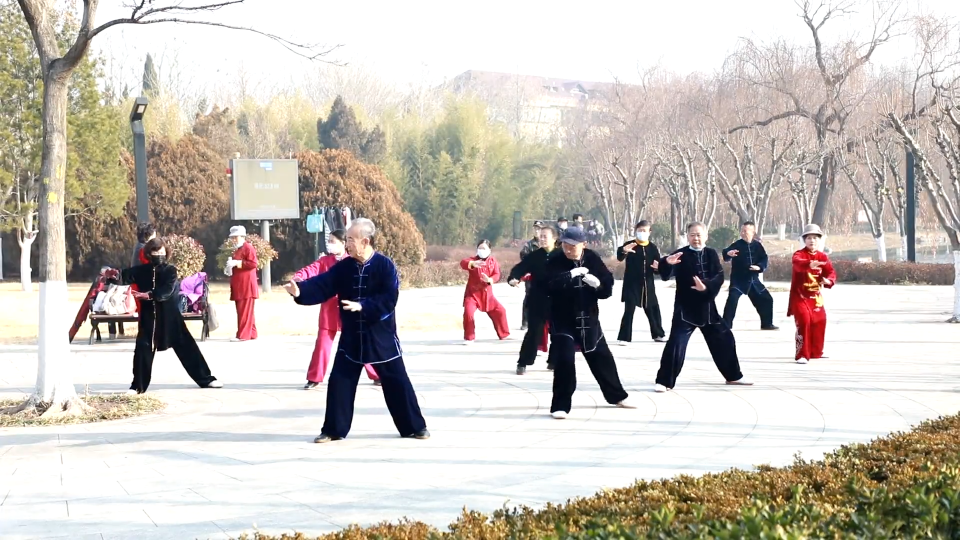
x,y
151,81
341,130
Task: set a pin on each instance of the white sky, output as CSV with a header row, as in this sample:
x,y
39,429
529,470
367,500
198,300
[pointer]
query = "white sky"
x,y
414,41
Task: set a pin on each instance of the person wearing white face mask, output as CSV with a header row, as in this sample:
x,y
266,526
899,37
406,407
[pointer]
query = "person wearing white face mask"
x,y
329,324
484,272
642,261
242,269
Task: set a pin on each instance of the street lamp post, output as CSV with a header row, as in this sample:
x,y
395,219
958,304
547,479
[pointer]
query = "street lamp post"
x,y
910,216
140,156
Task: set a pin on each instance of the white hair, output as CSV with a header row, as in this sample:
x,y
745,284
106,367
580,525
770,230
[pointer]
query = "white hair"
x,y
365,226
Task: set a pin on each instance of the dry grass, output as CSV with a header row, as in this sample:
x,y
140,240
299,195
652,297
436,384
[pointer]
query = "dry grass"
x,y
102,408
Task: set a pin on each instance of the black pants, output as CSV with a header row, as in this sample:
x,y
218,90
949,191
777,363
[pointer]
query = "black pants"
x,y
112,328
653,317
526,305
533,338
720,341
761,299
186,350
601,364
397,392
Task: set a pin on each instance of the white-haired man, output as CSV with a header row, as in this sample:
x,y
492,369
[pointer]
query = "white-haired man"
x,y
368,285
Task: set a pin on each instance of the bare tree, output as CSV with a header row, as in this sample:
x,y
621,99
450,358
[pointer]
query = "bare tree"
x,y
690,183
54,383
838,71
868,176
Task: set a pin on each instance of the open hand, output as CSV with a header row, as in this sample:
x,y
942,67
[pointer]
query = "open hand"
x,y
486,279
629,248
655,264
292,289
815,265
674,259
351,306
579,271
141,295
826,282
514,282
591,280
733,253
755,268
698,284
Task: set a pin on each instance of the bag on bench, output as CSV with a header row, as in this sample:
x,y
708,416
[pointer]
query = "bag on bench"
x,y
119,300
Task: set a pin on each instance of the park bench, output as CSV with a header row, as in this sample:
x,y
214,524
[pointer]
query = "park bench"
x,y
97,319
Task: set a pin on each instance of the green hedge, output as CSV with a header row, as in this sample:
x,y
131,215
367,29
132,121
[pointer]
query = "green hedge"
x,y
905,485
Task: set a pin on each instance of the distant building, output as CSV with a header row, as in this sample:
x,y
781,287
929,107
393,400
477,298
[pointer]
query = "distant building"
x,y
534,108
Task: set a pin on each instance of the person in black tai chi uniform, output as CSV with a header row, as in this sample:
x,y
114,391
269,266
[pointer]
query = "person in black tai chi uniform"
x,y
577,279
643,259
749,261
538,298
699,276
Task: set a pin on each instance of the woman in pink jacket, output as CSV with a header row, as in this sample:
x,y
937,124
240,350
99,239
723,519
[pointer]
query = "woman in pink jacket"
x,y
483,271
329,315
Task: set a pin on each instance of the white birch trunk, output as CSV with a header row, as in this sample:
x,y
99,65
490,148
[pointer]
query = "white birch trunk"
x,y
956,287
26,283
903,247
881,247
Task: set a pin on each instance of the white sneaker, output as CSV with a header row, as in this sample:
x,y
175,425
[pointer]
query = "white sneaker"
x,y
468,342
559,415
625,405
659,388
743,381
130,392
215,384
802,361
623,343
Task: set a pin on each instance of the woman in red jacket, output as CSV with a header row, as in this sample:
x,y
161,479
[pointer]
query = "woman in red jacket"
x,y
329,314
812,272
484,271
242,269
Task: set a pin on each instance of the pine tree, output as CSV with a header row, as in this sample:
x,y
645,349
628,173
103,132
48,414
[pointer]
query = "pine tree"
x,y
151,81
341,130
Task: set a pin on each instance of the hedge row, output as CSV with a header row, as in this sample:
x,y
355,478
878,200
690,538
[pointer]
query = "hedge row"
x,y
448,273
905,485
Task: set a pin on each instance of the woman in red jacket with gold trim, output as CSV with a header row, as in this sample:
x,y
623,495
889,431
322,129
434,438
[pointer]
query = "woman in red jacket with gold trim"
x,y
812,272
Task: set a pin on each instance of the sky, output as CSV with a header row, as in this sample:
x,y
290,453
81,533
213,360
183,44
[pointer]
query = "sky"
x,y
414,42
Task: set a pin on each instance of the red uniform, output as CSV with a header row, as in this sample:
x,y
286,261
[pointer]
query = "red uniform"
x,y
806,302
479,296
245,291
329,323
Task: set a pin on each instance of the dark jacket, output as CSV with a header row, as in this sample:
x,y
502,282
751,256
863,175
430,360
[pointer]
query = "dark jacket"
x,y
574,309
693,306
535,264
160,320
750,254
638,276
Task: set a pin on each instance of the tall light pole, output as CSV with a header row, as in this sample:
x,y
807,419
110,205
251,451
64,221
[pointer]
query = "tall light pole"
x,y
140,156
911,211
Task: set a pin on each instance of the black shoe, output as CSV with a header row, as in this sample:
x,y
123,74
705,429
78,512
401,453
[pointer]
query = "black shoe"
x,y
324,438
523,328
310,385
549,366
771,327
422,435
521,370
377,383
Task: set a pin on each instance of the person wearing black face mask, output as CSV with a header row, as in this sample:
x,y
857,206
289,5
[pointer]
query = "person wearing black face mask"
x,y
161,325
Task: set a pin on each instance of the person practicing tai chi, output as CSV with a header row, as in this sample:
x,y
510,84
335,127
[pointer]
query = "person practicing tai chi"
x,y
699,277
749,261
642,260
242,269
483,271
161,325
538,304
329,314
529,247
812,271
367,285
577,279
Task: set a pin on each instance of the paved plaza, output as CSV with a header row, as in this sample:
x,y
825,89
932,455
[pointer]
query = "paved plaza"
x,y
216,463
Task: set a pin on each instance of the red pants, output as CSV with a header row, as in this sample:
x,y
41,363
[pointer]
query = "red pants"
x,y
811,327
246,323
497,314
322,357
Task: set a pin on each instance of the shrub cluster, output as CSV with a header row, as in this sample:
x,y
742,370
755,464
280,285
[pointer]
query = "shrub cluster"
x,y
187,254
874,273
905,485
265,251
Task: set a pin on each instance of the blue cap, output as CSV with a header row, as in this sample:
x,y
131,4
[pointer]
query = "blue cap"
x,y
573,236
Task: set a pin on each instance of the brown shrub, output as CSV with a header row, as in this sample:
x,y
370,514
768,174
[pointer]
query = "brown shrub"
x,y
875,273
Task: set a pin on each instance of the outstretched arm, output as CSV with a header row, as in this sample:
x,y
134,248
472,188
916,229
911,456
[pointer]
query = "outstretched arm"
x,y
319,288
520,270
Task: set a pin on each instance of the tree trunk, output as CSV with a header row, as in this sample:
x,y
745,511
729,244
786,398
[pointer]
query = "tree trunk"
x,y
26,283
54,380
824,193
955,318
881,247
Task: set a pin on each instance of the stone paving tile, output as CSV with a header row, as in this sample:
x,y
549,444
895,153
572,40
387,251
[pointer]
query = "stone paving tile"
x,y
217,463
